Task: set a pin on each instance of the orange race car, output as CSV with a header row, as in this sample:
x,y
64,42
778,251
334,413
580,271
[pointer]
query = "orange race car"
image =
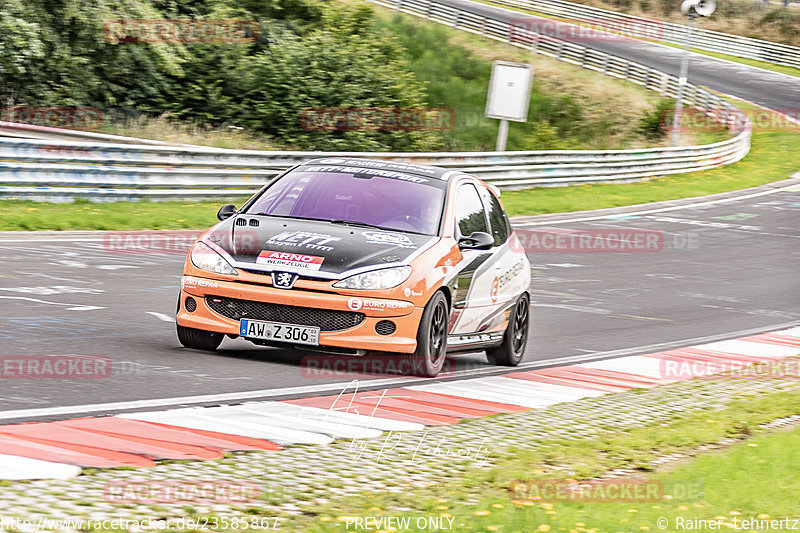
x,y
355,255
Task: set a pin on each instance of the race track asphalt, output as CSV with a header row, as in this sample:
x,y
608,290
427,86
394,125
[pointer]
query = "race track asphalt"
x,y
774,90
719,270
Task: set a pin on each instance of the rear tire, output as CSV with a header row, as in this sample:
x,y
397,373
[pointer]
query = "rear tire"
x,y
515,339
198,339
428,359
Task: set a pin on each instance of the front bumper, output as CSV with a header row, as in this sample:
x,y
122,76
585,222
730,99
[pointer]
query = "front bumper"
x,y
364,336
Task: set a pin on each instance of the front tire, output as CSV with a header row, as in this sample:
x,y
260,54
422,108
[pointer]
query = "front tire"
x,y
510,352
428,359
198,339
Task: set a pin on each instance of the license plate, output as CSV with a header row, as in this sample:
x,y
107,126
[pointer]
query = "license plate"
x,y
278,331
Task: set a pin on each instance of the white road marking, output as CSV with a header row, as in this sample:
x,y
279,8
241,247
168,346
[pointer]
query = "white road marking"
x,y
400,381
161,316
15,467
659,210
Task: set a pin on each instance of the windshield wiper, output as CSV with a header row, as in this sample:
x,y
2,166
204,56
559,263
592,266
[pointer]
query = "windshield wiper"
x,y
356,223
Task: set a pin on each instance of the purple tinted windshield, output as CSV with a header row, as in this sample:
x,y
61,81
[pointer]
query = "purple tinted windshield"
x,y
389,203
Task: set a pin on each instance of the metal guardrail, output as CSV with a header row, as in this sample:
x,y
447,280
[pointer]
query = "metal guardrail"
x,y
60,170
714,41
33,131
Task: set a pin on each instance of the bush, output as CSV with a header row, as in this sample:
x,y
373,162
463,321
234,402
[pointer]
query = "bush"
x,y
652,125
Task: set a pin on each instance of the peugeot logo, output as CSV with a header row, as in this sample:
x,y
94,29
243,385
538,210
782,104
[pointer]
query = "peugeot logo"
x,y
283,280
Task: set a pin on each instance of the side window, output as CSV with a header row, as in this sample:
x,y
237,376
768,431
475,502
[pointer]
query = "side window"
x,y
469,211
498,220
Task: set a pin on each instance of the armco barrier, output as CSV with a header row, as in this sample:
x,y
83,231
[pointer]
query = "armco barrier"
x,y
725,43
61,170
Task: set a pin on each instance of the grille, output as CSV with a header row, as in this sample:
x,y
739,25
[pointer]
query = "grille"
x,y
324,319
385,327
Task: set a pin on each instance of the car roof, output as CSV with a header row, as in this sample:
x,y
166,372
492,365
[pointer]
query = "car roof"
x,y
427,171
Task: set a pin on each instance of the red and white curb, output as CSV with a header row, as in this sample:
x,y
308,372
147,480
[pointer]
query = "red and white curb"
x,y
58,450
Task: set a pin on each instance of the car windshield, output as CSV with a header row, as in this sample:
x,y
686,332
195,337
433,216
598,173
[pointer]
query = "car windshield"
x,y
394,203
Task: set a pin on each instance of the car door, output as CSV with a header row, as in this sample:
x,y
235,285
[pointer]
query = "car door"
x,y
468,296
509,274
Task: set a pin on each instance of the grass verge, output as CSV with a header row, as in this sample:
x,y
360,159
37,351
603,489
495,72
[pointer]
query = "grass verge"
x,y
570,108
738,471
16,215
767,161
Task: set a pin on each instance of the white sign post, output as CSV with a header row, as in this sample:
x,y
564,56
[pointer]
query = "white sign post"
x,y
509,96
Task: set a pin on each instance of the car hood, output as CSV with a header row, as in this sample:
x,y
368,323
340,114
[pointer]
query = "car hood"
x,y
311,246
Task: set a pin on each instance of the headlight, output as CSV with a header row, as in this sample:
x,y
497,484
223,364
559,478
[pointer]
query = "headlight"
x,y
204,258
376,280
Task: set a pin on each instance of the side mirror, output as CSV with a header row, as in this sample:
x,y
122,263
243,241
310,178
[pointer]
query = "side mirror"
x,y
226,211
479,240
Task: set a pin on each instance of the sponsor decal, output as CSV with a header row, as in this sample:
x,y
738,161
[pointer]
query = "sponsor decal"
x,y
193,283
304,239
506,277
409,293
391,165
369,171
356,304
388,239
289,259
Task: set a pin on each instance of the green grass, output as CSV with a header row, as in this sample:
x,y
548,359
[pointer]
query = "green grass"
x,y
455,68
754,473
767,161
84,215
